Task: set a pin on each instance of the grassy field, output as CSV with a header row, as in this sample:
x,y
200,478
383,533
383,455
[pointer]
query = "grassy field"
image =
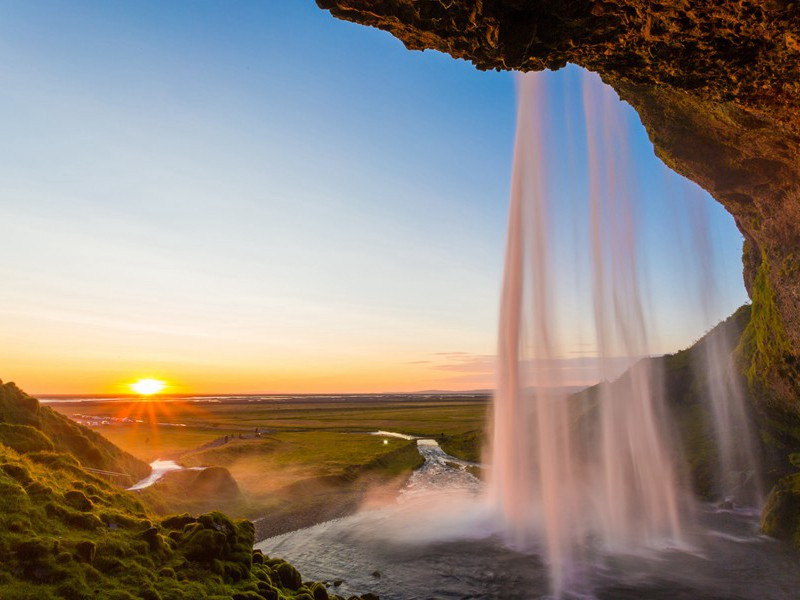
x,y
297,461
172,428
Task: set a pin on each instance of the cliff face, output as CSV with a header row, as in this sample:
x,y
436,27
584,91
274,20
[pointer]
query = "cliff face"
x,y
717,85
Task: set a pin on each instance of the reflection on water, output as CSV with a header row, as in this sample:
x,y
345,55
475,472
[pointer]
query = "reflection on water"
x,y
159,468
439,540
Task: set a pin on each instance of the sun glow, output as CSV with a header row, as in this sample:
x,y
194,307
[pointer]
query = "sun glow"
x,y
148,387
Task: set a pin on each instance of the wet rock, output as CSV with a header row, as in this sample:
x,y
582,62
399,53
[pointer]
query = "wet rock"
x,y
781,515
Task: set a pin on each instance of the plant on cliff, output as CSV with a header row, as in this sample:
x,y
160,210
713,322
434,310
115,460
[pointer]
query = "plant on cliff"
x,y
764,344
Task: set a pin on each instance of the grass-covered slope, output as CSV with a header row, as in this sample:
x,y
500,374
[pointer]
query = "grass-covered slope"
x,y
27,426
686,398
68,533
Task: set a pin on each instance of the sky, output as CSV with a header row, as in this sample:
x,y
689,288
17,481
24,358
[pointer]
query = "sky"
x,y
258,198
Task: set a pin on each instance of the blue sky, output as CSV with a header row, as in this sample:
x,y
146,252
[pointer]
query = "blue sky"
x,y
258,197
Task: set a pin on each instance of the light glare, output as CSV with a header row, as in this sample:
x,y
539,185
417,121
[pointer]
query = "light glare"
x,y
148,387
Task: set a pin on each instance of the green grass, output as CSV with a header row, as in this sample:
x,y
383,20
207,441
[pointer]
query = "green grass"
x,y
466,446
26,426
152,443
291,479
300,441
67,533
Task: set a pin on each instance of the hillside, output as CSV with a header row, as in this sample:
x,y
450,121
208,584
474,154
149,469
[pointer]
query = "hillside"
x,y
68,533
27,426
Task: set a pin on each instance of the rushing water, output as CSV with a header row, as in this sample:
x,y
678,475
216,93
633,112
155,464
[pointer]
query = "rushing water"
x,y
619,487
739,477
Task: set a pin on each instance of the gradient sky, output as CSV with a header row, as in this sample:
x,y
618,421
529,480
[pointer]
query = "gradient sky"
x,y
256,197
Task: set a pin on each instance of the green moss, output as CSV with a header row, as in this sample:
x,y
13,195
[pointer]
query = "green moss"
x,y
781,516
764,346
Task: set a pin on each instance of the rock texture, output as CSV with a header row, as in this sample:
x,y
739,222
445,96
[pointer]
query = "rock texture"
x,y
716,83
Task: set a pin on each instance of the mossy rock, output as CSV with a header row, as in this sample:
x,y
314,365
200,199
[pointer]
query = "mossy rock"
x,y
289,576
86,551
319,592
178,522
781,516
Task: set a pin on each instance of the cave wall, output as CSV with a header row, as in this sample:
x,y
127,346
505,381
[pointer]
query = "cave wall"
x,y
717,86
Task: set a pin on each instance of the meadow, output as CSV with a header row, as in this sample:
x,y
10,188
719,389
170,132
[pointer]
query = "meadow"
x,y
295,461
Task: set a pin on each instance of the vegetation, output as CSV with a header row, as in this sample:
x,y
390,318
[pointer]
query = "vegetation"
x,y
294,462
781,515
764,344
466,446
774,382
26,426
288,481
68,533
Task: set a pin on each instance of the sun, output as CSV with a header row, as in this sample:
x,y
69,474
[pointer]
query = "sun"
x,y
148,387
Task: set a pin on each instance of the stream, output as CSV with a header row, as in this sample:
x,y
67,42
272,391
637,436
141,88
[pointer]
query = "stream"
x,y
159,468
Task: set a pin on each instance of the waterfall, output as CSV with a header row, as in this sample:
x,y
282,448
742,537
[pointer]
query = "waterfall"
x,y
739,478
639,499
534,474
559,479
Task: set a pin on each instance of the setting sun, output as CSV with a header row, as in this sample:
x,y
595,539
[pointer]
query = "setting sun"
x,y
148,387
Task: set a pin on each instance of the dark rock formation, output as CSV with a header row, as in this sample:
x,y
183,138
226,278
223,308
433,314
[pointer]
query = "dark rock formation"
x,y
717,85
